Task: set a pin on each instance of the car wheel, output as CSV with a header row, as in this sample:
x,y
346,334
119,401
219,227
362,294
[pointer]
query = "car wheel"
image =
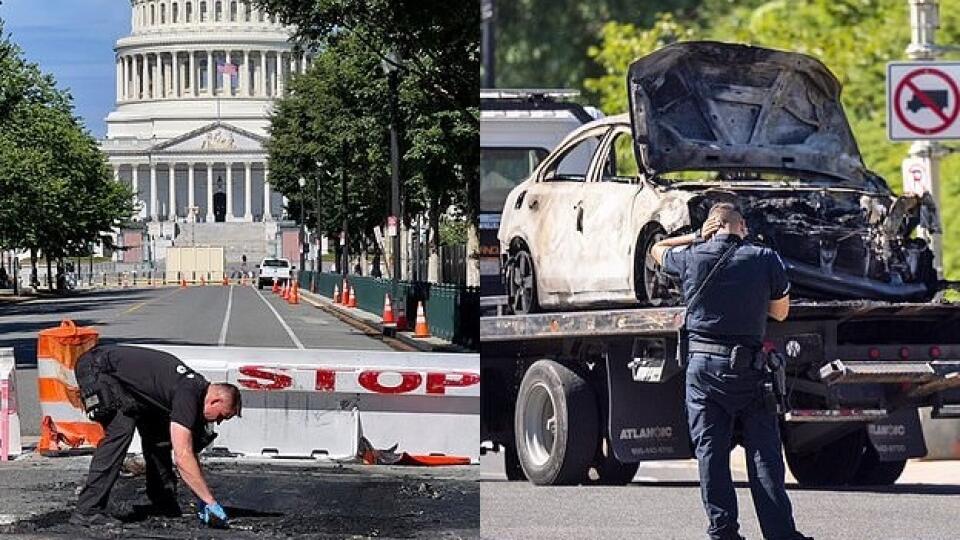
x,y
556,425
834,464
656,290
873,472
522,284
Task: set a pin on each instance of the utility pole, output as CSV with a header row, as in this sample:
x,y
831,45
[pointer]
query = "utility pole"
x,y
488,45
924,21
344,239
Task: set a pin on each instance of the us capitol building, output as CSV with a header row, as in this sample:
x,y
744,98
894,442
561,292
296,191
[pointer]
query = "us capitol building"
x,y
195,82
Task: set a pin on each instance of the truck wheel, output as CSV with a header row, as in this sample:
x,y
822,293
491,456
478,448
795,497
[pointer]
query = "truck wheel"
x,y
556,425
522,284
832,465
260,284
609,470
873,472
511,462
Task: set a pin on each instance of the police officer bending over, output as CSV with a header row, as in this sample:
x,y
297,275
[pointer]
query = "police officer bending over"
x,y
126,388
726,323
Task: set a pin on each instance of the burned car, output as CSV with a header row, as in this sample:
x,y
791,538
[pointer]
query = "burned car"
x,y
711,122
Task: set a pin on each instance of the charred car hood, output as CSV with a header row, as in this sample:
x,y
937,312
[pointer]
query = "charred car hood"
x,y
709,105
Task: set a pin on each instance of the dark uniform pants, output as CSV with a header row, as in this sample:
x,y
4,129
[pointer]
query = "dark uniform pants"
x,y
154,428
716,396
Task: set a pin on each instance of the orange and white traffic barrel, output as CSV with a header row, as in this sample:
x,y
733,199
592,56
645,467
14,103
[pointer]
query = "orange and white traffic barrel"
x,y
64,424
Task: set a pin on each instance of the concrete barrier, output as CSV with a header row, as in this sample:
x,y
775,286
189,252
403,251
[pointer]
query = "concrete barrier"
x,y
10,444
316,403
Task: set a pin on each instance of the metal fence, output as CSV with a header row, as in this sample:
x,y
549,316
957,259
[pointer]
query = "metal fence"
x,y
452,310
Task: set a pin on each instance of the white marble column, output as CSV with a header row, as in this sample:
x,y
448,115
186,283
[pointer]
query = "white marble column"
x,y
210,70
210,217
266,194
144,77
193,75
116,173
156,76
175,61
191,187
303,62
134,186
172,183
278,75
263,74
227,78
247,192
229,191
245,75
153,191
118,87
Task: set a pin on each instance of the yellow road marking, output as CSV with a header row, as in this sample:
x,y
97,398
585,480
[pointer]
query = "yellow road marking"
x,y
135,307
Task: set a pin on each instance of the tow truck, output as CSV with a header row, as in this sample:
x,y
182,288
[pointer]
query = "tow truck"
x,y
585,396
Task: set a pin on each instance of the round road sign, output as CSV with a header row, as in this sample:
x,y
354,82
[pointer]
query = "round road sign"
x,y
925,101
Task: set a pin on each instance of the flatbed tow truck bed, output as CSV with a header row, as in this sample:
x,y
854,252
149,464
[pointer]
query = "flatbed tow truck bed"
x,y
589,394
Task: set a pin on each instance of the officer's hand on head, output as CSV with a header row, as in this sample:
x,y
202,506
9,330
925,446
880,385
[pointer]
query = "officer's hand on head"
x,y
710,227
213,515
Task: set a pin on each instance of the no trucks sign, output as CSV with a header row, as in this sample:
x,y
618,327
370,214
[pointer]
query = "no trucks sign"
x,y
923,100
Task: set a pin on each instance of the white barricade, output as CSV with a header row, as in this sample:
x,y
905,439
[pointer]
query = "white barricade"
x,y
314,403
9,419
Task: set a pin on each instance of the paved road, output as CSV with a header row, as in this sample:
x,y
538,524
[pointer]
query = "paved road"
x,y
206,315
663,503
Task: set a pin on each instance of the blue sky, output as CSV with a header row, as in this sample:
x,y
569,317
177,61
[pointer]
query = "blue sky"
x,y
73,40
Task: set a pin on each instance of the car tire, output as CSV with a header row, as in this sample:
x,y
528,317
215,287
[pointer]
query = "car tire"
x,y
522,284
873,472
260,284
556,425
651,289
511,463
609,470
834,464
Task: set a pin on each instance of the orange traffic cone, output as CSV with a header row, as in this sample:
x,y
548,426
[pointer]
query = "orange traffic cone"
x,y
353,298
421,330
276,286
225,280
183,283
203,280
295,295
336,294
286,291
387,310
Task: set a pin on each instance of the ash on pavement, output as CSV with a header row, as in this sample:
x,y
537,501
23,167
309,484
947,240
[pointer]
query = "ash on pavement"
x,y
285,500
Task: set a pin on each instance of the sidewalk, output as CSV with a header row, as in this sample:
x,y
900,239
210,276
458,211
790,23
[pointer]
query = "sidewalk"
x,y
374,323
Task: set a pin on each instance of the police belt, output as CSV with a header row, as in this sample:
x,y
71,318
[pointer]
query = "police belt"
x,y
710,348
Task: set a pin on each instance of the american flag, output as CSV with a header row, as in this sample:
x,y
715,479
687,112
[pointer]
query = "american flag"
x,y
227,68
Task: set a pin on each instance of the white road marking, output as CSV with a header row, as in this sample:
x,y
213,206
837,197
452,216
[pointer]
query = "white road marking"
x,y
226,320
283,323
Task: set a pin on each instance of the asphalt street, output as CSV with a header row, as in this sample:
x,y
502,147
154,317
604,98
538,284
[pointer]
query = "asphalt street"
x,y
663,503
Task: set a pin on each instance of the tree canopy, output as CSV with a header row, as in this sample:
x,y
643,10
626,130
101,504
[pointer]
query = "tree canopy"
x,y
57,194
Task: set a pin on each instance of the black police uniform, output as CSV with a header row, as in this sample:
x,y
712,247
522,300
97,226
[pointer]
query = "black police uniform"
x,y
143,389
732,310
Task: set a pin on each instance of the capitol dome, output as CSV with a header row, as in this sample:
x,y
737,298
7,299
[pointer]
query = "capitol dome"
x,y
195,81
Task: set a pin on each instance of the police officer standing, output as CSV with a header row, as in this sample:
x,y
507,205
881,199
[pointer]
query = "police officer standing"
x,y
726,322
131,388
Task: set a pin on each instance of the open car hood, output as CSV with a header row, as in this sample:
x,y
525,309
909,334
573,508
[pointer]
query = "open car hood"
x,y
708,105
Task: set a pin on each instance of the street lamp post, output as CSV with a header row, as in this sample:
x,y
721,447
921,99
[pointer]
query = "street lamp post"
x,y
390,68
301,230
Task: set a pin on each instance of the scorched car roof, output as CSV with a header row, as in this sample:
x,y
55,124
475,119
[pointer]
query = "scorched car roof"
x,y
708,105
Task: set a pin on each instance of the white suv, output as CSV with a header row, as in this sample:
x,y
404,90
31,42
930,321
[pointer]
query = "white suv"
x,y
272,268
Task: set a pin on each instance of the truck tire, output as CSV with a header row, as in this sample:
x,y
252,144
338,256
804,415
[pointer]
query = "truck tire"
x,y
260,284
873,472
832,465
609,470
556,425
511,462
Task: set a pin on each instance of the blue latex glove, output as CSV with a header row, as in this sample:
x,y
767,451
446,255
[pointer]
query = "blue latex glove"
x,y
213,515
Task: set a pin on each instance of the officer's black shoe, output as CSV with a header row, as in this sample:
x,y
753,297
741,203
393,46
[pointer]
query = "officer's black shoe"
x,y
94,520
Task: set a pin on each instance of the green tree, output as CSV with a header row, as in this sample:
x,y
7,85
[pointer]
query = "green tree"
x,y
56,191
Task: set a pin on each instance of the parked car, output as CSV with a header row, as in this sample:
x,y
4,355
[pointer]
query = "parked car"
x,y
271,269
711,122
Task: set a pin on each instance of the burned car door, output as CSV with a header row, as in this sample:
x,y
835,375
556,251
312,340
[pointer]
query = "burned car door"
x,y
607,228
552,205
